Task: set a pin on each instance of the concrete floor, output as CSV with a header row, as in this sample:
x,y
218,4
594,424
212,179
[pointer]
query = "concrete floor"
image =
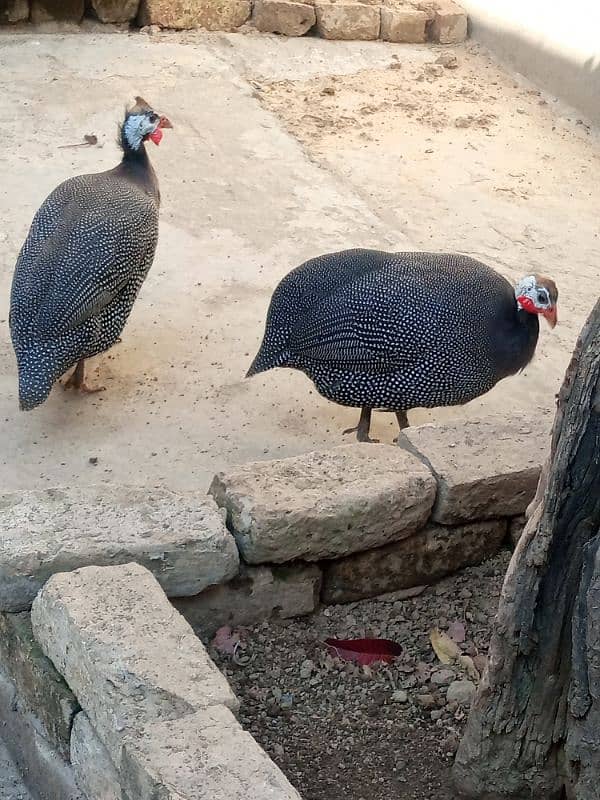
x,y
252,185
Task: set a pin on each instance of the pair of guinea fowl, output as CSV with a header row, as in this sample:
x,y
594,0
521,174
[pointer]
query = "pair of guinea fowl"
x,y
373,330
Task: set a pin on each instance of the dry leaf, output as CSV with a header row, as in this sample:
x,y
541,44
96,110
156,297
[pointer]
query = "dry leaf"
x,y
466,663
445,649
226,640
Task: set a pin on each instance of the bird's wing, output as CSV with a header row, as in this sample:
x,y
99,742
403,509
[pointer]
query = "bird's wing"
x,y
372,325
86,263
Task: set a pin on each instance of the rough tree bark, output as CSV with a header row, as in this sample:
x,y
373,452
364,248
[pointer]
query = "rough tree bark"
x,y
534,729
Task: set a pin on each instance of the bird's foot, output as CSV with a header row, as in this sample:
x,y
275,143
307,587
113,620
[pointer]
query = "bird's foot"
x,y
85,389
363,427
77,381
360,436
366,438
402,424
82,387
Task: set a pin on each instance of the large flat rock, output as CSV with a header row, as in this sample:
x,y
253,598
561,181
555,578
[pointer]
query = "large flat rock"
x,y
325,504
430,554
223,15
486,468
127,655
49,776
205,755
42,692
56,11
14,11
94,771
287,17
347,20
115,10
256,593
181,539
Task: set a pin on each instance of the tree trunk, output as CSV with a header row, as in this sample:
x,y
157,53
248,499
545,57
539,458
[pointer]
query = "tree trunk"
x,y
534,729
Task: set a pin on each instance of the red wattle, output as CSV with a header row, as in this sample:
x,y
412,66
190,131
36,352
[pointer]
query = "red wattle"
x,y
156,136
527,304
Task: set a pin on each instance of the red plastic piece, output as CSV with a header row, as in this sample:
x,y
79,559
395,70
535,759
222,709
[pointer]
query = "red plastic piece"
x,y
364,651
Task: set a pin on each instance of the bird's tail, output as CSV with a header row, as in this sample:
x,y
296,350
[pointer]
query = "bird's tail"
x,y
268,359
35,381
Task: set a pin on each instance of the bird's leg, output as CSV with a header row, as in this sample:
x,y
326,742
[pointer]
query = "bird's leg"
x,y
76,380
363,427
402,419
402,422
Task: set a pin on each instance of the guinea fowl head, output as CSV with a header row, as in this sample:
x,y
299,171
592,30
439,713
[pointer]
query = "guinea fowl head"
x,y
537,294
141,124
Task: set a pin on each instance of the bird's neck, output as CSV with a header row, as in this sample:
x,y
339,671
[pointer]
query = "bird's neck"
x,y
514,341
136,166
526,337
528,321
135,151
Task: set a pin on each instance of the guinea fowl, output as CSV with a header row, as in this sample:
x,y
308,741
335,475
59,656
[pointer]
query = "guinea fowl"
x,y
87,253
395,331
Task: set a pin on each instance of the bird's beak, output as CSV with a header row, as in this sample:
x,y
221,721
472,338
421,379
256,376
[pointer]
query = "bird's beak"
x,y
165,123
551,316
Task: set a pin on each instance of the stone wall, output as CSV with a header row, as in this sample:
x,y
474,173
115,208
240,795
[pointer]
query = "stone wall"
x,y
442,21
98,669
374,519
107,694
278,537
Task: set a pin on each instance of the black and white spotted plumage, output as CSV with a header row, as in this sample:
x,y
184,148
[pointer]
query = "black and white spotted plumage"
x,y
87,253
397,331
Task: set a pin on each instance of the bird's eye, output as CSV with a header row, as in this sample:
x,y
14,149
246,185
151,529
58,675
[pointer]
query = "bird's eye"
x,y
541,298
153,118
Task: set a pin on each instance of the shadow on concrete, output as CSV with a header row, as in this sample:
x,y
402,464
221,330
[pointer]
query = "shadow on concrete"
x,y
569,75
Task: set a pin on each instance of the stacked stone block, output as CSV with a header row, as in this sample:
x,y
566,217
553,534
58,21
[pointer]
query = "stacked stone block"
x,y
441,21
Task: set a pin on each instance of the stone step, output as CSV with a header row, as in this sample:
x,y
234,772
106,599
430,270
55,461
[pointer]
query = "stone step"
x,y
486,468
124,651
325,504
157,715
181,539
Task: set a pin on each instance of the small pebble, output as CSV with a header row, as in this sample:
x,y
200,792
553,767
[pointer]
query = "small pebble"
x,y
447,60
461,691
442,677
425,700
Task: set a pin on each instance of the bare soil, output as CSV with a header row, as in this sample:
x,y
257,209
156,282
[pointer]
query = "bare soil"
x,y
344,732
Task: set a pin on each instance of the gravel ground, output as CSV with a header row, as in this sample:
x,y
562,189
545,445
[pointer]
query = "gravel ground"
x,y
343,732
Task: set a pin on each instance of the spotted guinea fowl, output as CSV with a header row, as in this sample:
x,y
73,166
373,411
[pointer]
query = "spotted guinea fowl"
x,y
395,331
87,253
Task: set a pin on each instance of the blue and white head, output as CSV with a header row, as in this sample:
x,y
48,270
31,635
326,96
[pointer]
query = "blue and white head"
x,y
141,124
538,294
